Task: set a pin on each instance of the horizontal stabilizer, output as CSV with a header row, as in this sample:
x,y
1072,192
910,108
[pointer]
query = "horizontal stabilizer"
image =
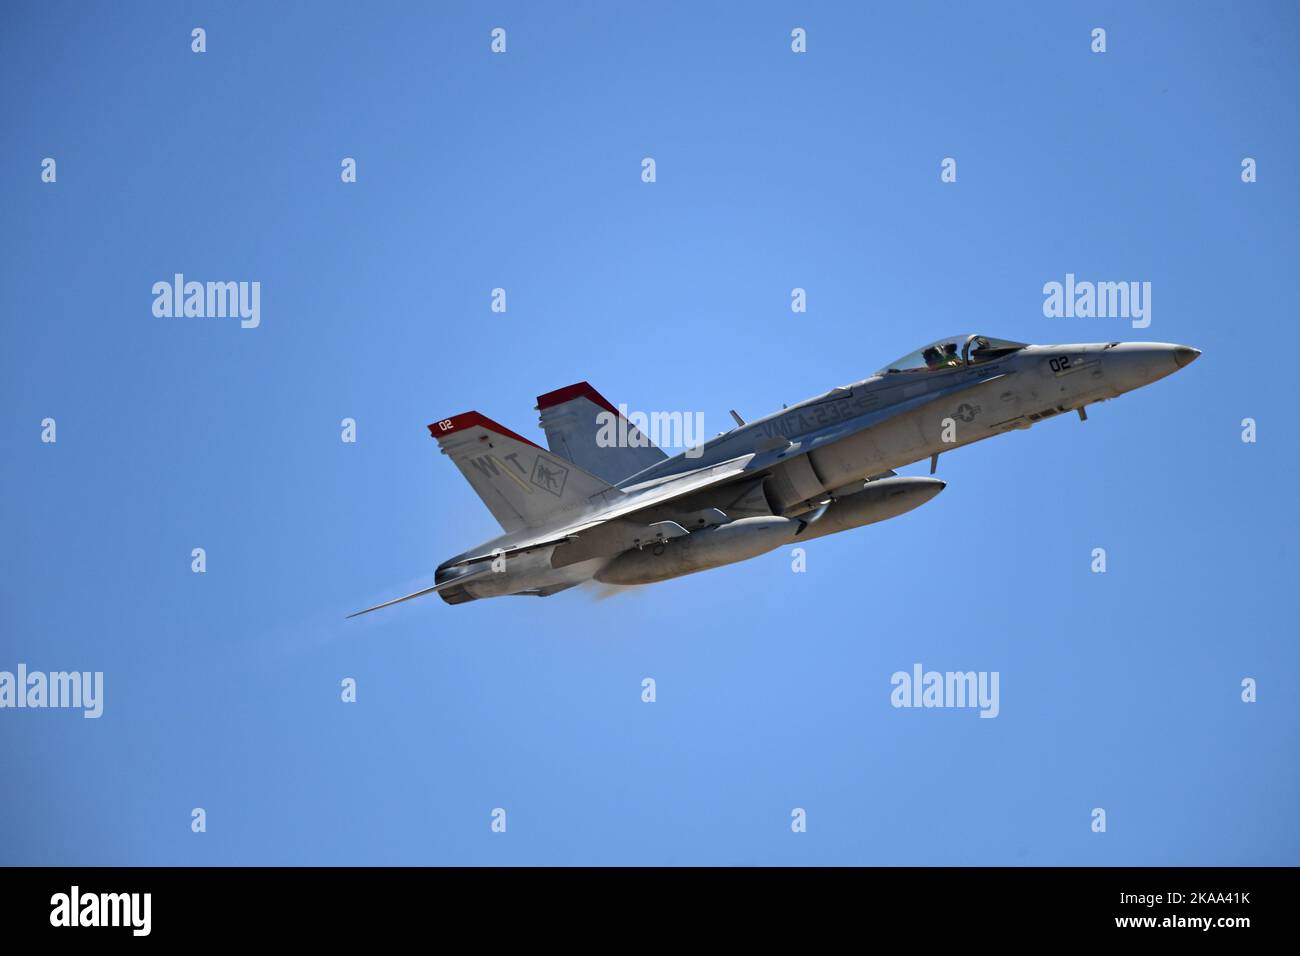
x,y
460,579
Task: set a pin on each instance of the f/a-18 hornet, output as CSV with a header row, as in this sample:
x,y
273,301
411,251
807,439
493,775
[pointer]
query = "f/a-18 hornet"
x,y
625,513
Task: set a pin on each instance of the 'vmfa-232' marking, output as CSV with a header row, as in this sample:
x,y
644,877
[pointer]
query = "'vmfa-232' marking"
x,y
800,420
832,411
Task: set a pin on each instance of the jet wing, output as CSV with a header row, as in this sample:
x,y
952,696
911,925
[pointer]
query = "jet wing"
x,y
647,497
640,497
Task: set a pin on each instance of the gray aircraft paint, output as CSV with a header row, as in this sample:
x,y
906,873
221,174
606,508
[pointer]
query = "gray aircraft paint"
x,y
571,417
818,467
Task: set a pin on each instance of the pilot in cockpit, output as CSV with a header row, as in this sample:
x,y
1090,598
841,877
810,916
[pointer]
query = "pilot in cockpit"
x,y
941,356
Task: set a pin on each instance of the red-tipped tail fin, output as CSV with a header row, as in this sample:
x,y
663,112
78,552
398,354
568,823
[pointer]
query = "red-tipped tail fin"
x,y
584,427
522,485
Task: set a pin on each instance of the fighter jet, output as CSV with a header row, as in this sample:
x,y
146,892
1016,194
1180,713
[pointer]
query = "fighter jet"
x,y
630,514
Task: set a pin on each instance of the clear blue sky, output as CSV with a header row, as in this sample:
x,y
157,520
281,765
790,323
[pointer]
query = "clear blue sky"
x,y
775,170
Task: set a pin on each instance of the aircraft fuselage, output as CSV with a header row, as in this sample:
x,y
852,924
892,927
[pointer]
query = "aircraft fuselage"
x,y
822,460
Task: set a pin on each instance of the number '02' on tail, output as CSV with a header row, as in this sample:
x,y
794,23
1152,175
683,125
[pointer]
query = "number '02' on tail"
x,y
523,485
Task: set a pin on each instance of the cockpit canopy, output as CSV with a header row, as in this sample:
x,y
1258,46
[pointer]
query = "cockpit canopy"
x,y
954,352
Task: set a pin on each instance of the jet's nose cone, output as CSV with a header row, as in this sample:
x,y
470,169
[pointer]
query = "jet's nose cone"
x,y
1131,365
